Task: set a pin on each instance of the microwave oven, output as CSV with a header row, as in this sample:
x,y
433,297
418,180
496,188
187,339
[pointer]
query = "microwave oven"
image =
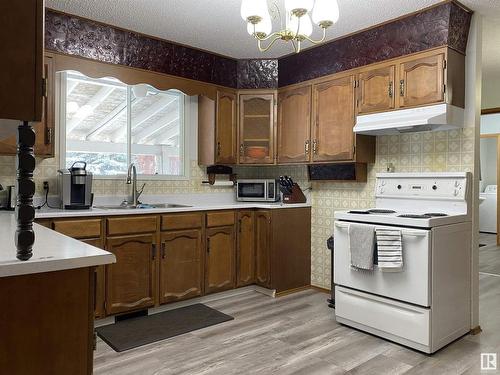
x,y
257,190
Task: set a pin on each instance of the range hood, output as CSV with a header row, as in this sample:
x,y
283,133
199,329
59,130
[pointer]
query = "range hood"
x,y
429,118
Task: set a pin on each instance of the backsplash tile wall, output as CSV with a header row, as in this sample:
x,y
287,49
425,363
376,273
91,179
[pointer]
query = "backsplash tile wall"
x,y
418,152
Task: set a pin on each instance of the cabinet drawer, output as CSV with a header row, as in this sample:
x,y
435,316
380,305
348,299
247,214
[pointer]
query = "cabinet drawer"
x,y
220,219
182,221
90,228
131,225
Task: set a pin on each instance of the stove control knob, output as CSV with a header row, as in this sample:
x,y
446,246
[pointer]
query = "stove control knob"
x,y
434,187
456,192
457,183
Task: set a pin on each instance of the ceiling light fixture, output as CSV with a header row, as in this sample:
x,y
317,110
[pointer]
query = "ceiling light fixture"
x,y
297,25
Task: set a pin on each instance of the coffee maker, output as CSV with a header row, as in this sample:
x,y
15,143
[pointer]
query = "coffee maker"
x,y
75,187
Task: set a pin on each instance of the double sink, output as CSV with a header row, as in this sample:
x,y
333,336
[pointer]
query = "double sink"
x,y
141,206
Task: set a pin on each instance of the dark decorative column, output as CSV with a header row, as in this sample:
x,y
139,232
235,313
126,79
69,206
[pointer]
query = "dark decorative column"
x,y
25,212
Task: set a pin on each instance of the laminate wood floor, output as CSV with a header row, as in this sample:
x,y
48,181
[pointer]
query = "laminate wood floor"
x,y
298,334
489,255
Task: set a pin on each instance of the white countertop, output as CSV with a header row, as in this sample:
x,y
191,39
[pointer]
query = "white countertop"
x,y
195,202
52,251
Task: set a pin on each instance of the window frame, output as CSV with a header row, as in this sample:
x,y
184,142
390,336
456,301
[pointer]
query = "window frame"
x,y
61,79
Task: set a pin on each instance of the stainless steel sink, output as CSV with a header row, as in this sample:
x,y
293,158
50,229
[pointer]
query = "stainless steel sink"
x,y
140,206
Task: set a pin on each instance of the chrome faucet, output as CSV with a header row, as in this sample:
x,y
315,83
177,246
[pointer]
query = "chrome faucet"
x,y
133,199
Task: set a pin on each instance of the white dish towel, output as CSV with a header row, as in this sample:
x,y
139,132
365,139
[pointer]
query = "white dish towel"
x,y
361,244
389,249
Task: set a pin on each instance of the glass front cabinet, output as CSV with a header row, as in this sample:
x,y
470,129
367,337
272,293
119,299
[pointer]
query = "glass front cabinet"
x,y
257,128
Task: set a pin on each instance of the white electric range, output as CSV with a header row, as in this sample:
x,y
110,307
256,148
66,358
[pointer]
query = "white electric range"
x,y
426,305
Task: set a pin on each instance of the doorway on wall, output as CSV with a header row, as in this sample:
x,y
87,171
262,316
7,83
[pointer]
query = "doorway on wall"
x,y
489,225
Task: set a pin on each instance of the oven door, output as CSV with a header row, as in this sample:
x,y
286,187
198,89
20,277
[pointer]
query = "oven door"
x,y
411,284
251,191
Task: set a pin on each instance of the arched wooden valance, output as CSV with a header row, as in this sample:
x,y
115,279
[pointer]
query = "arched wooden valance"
x,y
133,76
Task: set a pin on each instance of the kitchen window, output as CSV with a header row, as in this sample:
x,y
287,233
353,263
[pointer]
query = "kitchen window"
x,y
109,124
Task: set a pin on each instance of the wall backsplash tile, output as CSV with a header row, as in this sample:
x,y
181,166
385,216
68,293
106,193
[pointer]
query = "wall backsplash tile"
x,y
451,150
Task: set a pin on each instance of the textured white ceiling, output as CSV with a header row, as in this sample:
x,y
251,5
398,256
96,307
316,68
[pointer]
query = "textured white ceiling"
x,y
216,25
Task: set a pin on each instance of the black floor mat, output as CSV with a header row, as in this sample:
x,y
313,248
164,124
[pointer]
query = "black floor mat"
x,y
134,332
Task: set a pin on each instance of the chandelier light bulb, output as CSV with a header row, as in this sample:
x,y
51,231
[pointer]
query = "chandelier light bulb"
x,y
325,12
292,6
254,10
306,27
261,29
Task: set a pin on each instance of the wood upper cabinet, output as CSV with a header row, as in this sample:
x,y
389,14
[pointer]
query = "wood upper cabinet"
x,y
421,81
256,135
226,128
44,130
245,257
181,265
217,129
263,245
294,125
334,119
375,88
131,281
220,259
21,64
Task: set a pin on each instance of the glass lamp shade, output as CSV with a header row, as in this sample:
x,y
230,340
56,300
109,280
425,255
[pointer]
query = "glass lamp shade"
x,y
253,8
263,28
326,12
291,5
306,27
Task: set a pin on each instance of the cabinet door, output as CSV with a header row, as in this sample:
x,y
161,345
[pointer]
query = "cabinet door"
x,y
263,248
181,265
333,113
220,259
376,90
226,128
100,283
294,125
245,266
21,65
256,133
44,130
421,81
130,282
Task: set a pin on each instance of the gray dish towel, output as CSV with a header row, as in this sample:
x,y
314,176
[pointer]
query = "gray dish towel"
x,y
361,244
389,250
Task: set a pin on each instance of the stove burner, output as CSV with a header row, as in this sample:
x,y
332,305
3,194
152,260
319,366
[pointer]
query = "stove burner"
x,y
359,212
381,211
436,214
415,216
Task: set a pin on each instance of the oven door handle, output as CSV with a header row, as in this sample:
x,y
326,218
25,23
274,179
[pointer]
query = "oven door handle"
x,y
405,232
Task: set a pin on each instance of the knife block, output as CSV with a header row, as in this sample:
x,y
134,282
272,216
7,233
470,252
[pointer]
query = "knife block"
x,y
296,196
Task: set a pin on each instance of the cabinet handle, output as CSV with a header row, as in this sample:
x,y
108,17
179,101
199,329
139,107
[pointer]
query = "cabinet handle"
x,y
153,251
306,147
208,244
241,149
163,250
402,87
315,146
218,148
239,225
390,90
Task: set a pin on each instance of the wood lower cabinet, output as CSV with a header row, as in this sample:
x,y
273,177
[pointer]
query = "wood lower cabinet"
x,y
334,119
245,257
100,281
421,81
283,248
181,265
376,89
131,281
220,259
294,125
263,248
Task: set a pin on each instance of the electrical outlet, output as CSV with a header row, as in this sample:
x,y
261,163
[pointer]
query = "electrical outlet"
x,y
46,185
